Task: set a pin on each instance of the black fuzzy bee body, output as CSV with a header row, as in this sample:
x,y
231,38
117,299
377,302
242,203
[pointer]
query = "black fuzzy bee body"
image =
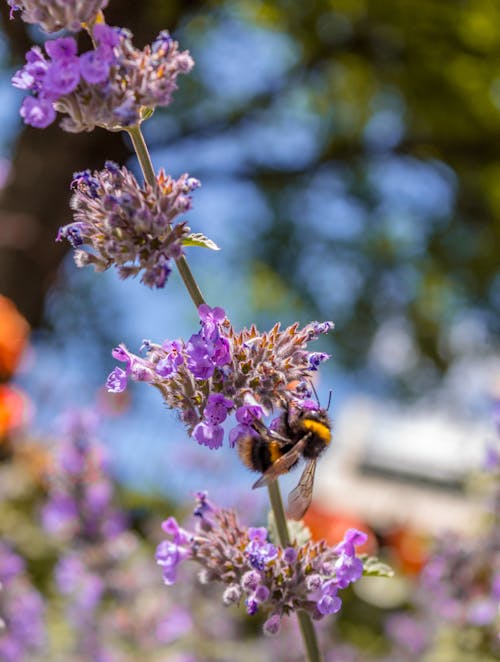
x,y
301,432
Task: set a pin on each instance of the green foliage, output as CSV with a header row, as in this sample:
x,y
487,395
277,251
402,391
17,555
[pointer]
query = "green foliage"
x,y
199,239
373,567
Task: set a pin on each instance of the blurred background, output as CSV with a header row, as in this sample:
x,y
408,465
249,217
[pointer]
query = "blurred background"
x,y
349,154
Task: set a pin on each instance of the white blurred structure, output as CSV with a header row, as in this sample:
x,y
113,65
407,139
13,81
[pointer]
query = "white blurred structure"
x,y
393,467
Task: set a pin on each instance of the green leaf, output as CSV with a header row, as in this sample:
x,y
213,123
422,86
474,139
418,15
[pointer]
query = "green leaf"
x,y
372,567
198,239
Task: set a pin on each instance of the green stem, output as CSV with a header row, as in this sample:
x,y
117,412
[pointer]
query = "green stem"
x,y
279,513
306,627
309,636
144,158
305,623
142,152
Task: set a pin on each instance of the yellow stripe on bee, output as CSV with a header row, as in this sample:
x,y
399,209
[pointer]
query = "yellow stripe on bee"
x,y
322,430
274,451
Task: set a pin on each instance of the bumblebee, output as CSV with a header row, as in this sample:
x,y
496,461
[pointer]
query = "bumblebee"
x,y
301,432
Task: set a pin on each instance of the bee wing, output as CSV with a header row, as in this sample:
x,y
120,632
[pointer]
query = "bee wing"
x,y
282,464
299,498
265,432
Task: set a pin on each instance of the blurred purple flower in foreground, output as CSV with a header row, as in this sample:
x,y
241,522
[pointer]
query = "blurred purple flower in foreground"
x,y
80,503
22,627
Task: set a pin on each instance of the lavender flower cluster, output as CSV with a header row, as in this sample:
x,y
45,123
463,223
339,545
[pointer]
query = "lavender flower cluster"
x,y
279,581
61,15
114,85
219,371
463,576
79,505
80,514
126,224
22,625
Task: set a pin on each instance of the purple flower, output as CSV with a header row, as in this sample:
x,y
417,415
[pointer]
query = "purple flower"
x,y
95,65
199,360
117,82
59,513
117,380
408,632
210,318
136,368
482,612
62,77
61,49
217,408
54,16
178,534
206,385
329,604
221,352
178,623
22,632
127,225
275,580
37,112
208,435
348,569
322,327
31,76
250,580
316,359
252,606
106,36
257,534
73,233
352,538
11,565
247,414
169,555
272,626
258,551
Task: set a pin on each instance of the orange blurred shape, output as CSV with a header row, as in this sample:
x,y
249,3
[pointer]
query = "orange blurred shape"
x,y
331,526
113,404
36,459
14,330
409,548
14,409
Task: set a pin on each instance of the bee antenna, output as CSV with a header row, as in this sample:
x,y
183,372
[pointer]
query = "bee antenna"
x,y
315,393
329,400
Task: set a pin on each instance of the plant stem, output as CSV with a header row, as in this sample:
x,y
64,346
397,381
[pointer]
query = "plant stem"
x,y
144,158
306,627
309,636
279,513
305,623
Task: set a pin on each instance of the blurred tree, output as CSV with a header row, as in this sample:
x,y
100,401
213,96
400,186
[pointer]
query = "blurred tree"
x,y
34,204
375,146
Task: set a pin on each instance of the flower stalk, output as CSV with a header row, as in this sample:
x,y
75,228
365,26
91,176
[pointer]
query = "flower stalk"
x,y
144,158
306,627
